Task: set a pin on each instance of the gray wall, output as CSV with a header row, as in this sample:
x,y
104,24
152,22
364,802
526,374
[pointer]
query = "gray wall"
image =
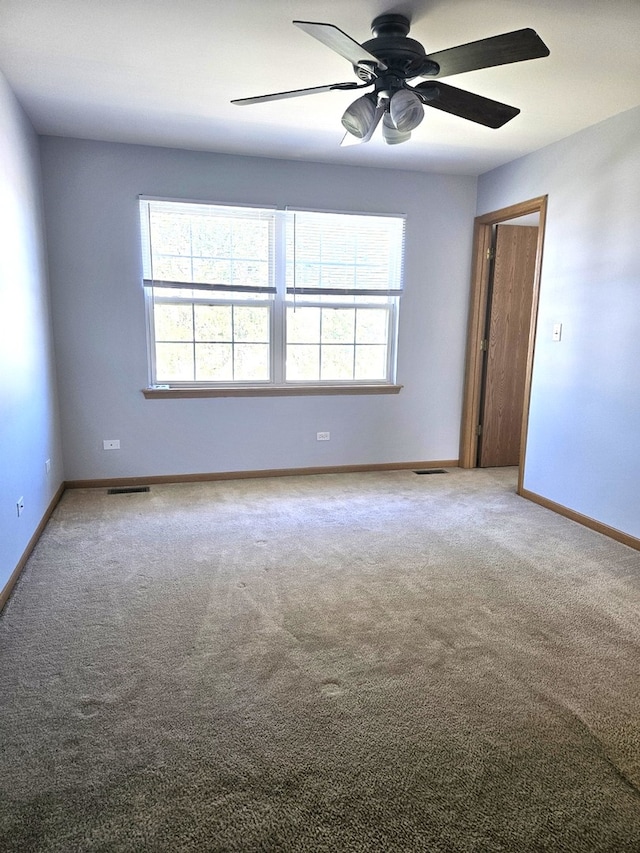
x,y
29,431
583,449
91,194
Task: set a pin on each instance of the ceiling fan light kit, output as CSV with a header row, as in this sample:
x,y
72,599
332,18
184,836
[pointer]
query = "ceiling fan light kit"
x,y
391,59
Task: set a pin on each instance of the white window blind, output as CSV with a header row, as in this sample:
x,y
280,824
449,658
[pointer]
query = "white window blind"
x,y
338,254
208,247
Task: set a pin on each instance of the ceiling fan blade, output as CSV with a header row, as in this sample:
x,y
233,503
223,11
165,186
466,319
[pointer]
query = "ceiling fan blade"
x,y
343,44
467,105
295,93
486,53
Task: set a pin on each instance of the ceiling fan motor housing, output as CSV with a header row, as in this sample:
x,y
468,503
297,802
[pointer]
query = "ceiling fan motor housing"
x,y
405,58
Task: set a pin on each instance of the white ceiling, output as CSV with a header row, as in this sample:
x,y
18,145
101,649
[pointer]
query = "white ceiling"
x,y
162,72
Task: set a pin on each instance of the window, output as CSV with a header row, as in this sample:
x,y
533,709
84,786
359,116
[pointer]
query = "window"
x,y
251,296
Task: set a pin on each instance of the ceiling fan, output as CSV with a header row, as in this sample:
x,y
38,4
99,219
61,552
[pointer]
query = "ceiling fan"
x,y
390,59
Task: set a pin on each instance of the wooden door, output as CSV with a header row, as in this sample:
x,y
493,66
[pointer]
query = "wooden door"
x,y
507,345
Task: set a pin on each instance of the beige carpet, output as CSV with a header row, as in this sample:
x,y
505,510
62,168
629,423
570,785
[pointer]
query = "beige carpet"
x,y
372,662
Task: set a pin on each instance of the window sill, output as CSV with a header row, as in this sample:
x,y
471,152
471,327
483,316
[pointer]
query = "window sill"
x,y
268,391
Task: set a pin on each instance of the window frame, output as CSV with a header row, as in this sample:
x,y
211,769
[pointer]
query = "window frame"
x,y
278,304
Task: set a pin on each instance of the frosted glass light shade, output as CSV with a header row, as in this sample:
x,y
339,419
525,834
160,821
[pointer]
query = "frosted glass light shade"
x,y
358,117
391,134
406,110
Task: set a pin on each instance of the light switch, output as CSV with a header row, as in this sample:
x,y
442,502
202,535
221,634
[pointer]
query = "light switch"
x,y
557,332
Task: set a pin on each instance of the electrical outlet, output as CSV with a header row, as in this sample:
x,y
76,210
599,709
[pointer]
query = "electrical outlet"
x,y
20,506
323,436
111,444
47,466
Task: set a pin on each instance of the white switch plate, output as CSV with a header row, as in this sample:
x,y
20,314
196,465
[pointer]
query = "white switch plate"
x,y
111,444
557,332
323,436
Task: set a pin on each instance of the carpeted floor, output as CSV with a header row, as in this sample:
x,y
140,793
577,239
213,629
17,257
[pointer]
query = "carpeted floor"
x,y
368,662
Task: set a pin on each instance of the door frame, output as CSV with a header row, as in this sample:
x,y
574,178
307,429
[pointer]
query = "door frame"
x,y
478,306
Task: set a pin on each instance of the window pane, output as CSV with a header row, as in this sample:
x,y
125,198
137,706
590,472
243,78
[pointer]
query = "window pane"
x,y
214,362
307,243
303,363
303,325
369,277
211,236
169,268
338,325
171,233
371,363
307,275
251,324
250,273
212,270
173,322
174,363
371,325
213,322
251,362
339,245
251,239
338,276
337,363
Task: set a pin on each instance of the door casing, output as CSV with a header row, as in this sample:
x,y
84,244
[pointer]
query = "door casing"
x,y
481,264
